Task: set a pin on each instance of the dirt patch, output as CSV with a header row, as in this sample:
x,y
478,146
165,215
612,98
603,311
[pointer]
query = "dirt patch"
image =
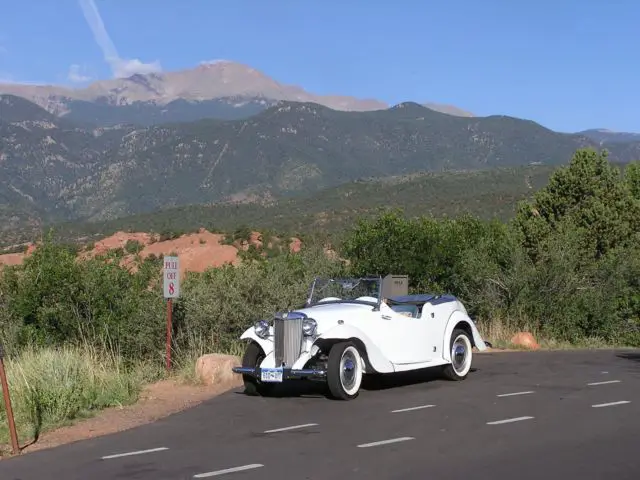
x,y
120,239
498,350
11,259
197,251
157,400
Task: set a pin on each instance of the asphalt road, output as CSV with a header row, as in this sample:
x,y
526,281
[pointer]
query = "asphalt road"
x,y
551,415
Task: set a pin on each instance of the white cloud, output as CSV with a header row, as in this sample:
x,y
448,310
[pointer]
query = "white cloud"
x,y
75,74
126,68
120,67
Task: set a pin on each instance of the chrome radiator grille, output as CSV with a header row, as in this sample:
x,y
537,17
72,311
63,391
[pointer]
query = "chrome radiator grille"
x,y
288,340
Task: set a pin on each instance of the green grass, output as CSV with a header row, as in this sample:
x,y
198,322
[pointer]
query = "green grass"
x,y
52,387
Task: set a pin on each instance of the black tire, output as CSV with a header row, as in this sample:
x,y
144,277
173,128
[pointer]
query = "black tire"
x,y
450,372
252,357
338,389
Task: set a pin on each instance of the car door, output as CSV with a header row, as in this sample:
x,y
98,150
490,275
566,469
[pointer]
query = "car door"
x,y
401,339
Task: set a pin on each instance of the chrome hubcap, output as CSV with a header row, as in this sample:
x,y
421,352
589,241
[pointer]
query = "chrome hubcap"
x,y
348,370
459,355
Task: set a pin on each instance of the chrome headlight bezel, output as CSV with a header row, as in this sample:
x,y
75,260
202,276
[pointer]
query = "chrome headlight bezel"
x,y
309,327
261,329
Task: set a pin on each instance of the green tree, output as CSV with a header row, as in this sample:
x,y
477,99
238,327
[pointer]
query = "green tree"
x,y
632,178
454,255
591,194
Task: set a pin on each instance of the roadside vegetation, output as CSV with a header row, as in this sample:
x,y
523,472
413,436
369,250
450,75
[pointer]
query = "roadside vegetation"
x,y
82,335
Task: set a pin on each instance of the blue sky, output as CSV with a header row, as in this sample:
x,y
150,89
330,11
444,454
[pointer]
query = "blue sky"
x,y
569,64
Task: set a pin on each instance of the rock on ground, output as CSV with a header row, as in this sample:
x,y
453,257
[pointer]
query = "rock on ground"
x,y
525,339
215,369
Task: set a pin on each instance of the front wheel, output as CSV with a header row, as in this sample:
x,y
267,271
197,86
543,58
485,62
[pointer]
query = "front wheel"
x,y
252,358
461,356
344,371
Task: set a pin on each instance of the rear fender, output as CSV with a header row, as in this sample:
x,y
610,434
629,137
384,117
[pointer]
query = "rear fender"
x,y
458,318
374,358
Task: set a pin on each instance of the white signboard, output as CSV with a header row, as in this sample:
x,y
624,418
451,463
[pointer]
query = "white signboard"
x,y
171,277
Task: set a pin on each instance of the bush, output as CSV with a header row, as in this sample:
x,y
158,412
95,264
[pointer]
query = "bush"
x,y
219,304
54,299
567,266
51,386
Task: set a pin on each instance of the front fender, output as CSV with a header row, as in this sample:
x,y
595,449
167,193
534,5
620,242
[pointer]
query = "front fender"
x,y
456,318
376,359
265,343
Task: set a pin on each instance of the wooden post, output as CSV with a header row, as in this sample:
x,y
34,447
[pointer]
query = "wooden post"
x,y
169,331
7,404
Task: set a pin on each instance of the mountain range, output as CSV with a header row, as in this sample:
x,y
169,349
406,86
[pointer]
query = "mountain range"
x,y
606,137
227,133
225,90
487,194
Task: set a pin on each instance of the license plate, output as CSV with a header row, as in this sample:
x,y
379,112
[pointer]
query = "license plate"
x,y
271,375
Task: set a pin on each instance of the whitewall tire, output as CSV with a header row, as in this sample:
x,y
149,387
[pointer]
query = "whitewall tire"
x,y
460,349
344,371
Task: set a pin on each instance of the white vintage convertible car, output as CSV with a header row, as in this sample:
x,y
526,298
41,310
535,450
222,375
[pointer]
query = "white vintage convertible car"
x,y
347,329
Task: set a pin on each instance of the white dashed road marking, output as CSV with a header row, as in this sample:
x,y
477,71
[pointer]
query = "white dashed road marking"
x,y
410,409
622,402
228,470
509,420
603,383
294,427
139,452
385,442
512,394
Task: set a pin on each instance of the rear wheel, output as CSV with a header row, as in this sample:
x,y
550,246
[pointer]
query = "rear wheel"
x,y
344,371
252,358
461,356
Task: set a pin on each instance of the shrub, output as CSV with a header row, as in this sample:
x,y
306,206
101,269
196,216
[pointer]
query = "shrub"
x,y
50,386
54,299
219,304
566,266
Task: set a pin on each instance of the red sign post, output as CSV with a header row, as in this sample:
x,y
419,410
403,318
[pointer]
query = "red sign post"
x,y
7,404
171,274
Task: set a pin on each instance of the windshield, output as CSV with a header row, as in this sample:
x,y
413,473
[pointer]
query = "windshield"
x,y
345,290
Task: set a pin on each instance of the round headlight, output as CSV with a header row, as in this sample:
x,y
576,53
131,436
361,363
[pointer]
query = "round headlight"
x,y
309,326
262,329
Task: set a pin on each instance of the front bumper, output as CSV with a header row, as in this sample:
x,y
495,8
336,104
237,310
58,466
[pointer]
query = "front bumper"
x,y
287,373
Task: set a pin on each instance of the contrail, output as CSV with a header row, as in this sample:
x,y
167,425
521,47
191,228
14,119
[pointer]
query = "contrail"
x,y
119,67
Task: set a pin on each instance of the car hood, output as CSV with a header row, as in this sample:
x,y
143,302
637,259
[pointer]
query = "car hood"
x,y
328,314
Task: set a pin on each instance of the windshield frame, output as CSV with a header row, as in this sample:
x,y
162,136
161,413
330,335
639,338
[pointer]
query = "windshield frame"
x,y
356,280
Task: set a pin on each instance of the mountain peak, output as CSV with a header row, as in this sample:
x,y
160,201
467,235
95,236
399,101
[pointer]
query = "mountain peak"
x,y
210,80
